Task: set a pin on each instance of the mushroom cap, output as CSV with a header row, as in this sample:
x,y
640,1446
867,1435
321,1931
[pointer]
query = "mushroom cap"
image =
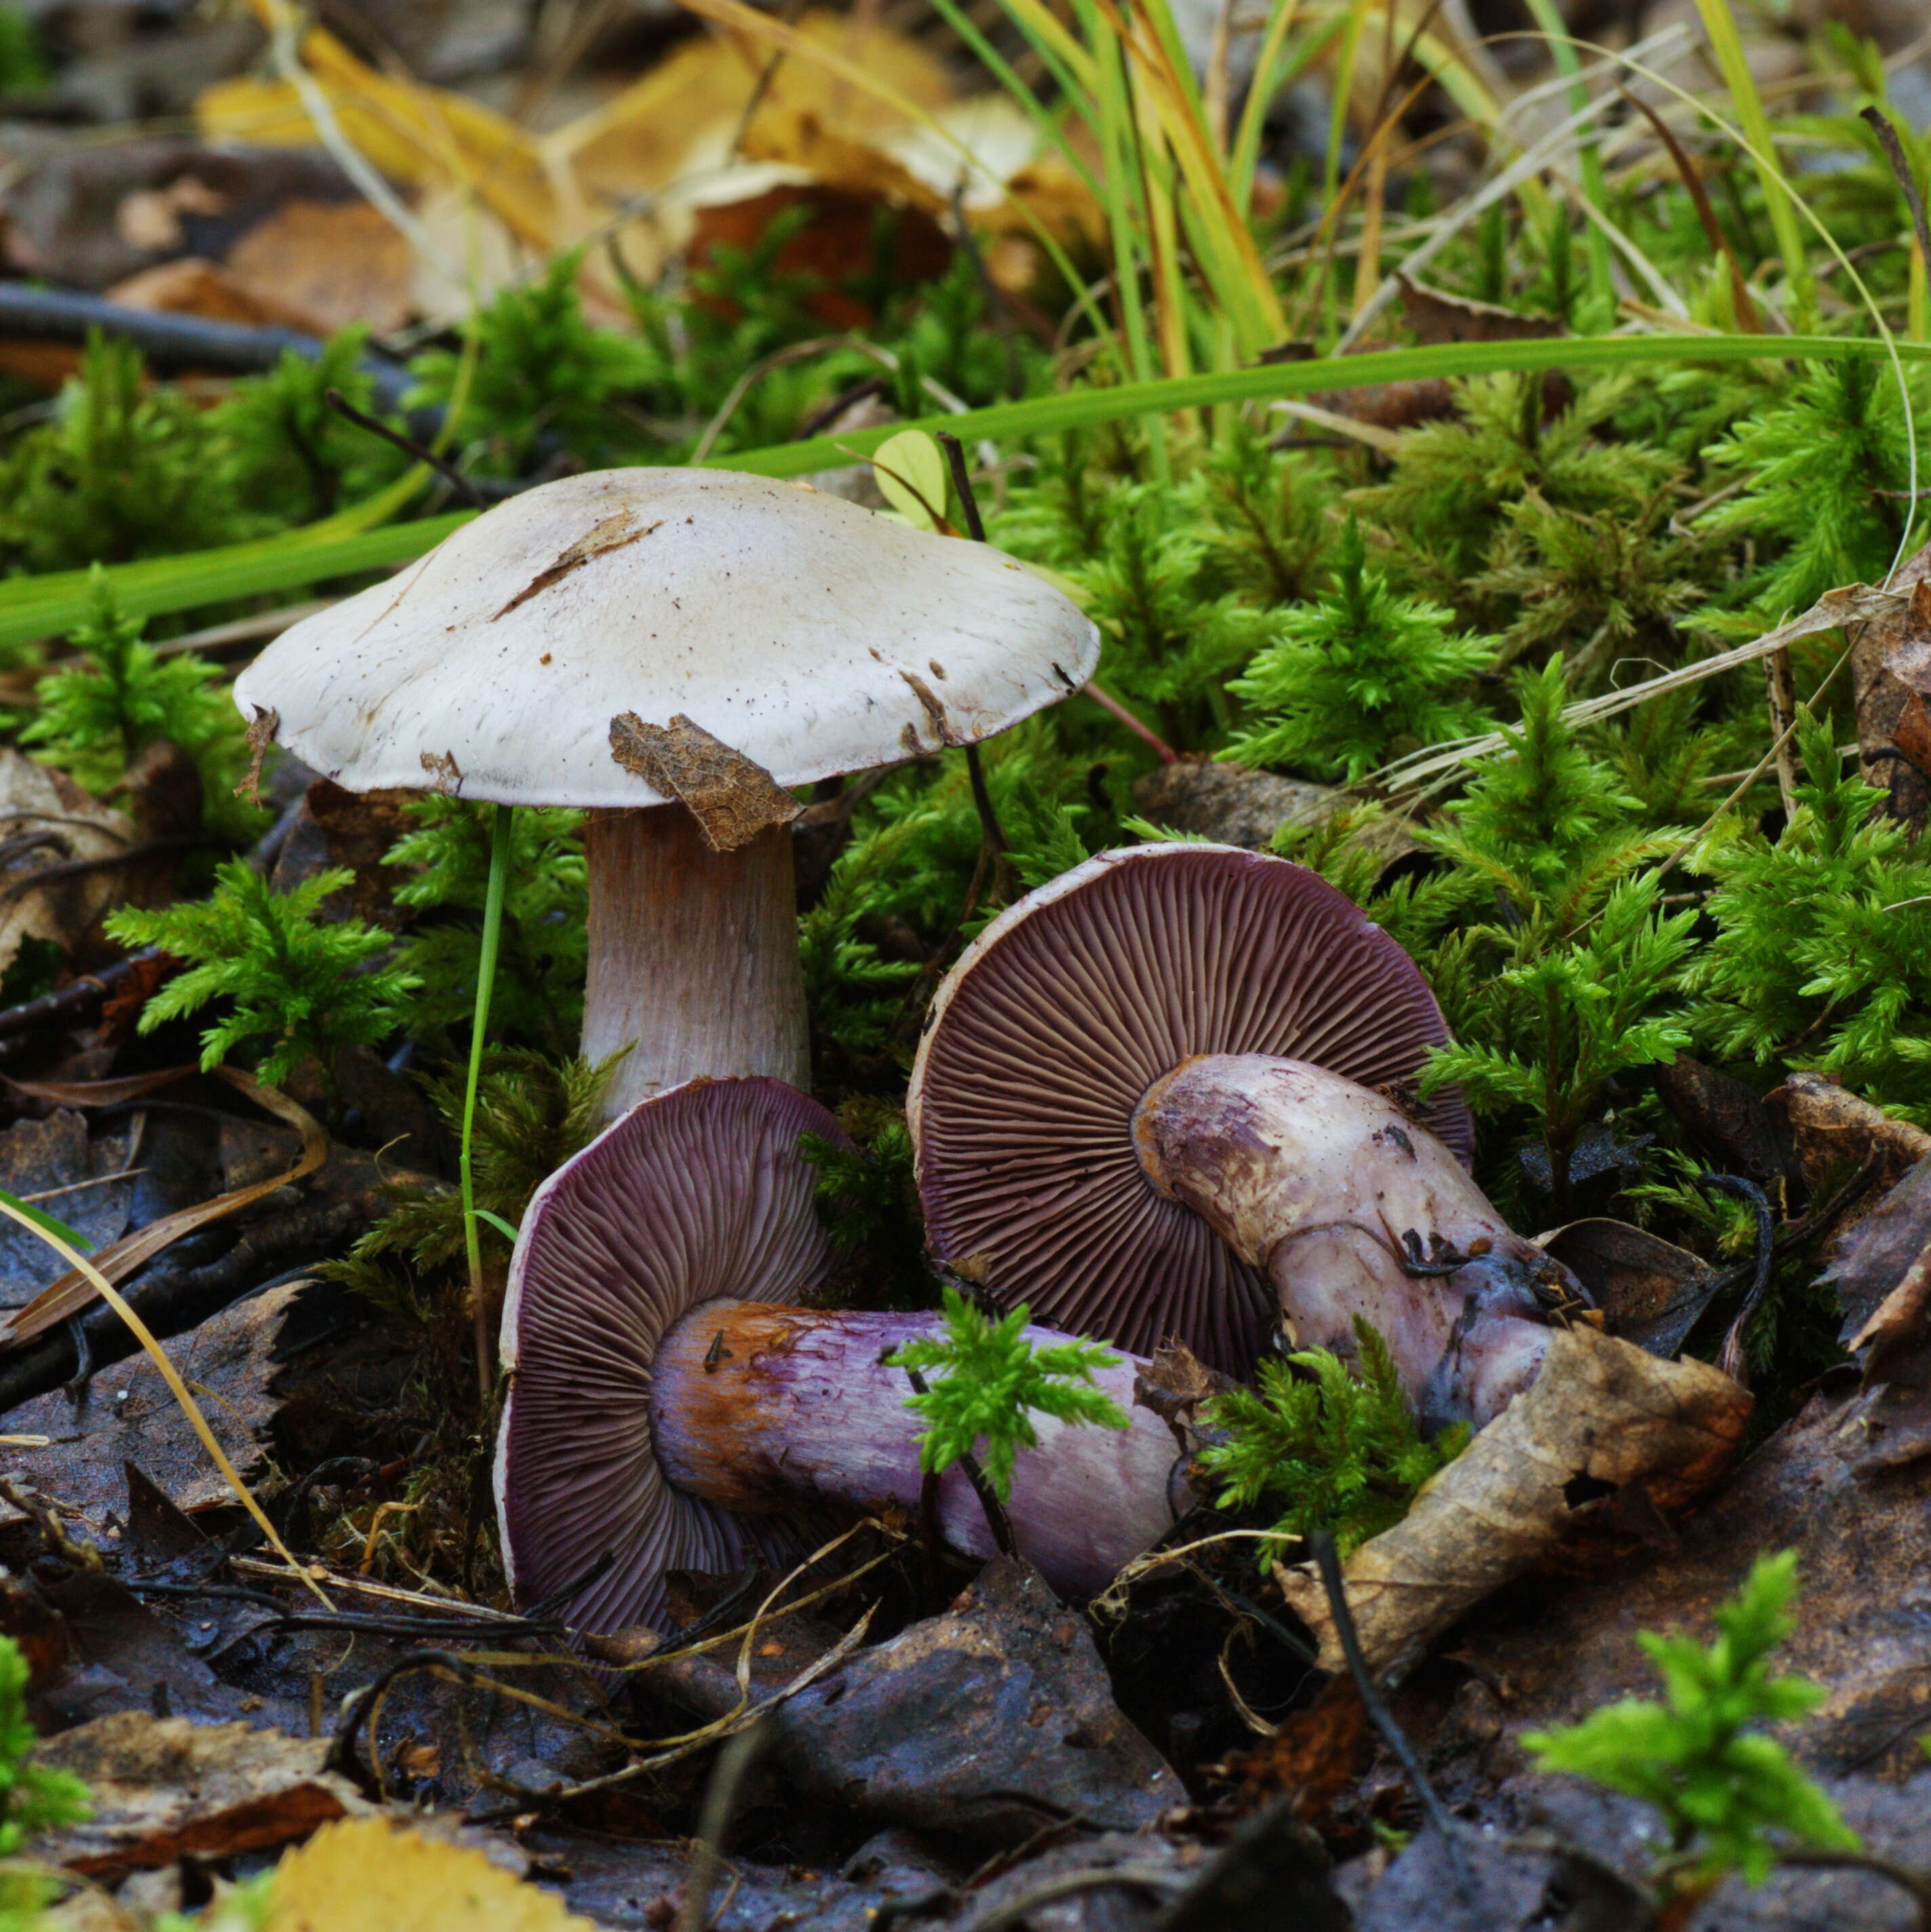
x,y
809,634
696,1193
1055,1022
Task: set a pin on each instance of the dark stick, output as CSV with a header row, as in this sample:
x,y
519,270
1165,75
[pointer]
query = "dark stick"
x,y
74,1002
1894,152
76,869
176,341
962,482
1328,1562
1731,1360
408,445
342,1747
171,1300
990,830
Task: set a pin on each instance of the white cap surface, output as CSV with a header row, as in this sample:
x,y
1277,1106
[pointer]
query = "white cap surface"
x,y
810,634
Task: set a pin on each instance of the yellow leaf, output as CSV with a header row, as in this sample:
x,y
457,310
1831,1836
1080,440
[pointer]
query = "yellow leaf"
x,y
910,468
423,136
367,1875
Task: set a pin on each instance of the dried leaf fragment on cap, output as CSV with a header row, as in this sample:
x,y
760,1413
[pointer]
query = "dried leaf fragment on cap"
x,y
732,798
1601,1412
607,533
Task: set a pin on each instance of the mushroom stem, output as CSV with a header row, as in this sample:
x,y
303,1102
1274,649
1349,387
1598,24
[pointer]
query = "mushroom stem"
x,y
762,1409
692,955
1352,1208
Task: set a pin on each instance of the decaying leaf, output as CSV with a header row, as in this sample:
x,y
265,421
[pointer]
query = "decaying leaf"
x,y
731,797
369,1875
1601,1417
1891,671
1833,1132
46,820
164,1788
1649,1291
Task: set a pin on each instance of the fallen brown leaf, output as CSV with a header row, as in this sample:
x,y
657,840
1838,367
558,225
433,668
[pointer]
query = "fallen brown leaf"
x,y
47,820
164,1788
1601,1417
339,261
1833,1132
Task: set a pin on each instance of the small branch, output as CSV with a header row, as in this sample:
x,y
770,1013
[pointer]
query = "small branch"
x,y
74,1002
1731,1360
408,445
1328,1562
1913,1881
1145,733
1894,153
174,342
76,869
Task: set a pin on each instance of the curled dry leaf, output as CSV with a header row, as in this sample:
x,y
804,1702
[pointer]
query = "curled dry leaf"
x,y
368,1875
1602,1417
1649,1291
47,820
1834,1131
165,1789
731,797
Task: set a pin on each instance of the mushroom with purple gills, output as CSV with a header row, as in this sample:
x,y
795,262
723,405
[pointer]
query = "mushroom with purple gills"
x,y
1170,1093
672,1405
637,642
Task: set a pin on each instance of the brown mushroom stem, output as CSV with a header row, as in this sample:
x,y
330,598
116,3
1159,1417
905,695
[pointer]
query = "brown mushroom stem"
x,y
692,955
1352,1208
765,1409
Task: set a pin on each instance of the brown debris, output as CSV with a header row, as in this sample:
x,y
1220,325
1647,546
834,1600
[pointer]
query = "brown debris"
x,y
46,821
164,1788
1833,1132
1226,802
1890,672
617,531
731,797
1649,1291
1601,1413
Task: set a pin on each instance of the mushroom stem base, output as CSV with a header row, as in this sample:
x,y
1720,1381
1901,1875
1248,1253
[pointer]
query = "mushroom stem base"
x,y
692,955
761,1409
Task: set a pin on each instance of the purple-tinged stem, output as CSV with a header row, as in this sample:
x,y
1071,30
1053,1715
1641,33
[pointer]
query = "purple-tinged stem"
x,y
1352,1208
761,1409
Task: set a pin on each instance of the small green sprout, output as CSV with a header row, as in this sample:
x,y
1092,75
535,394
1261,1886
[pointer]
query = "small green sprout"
x,y
1729,1795
1339,1447
298,980
32,1799
992,1382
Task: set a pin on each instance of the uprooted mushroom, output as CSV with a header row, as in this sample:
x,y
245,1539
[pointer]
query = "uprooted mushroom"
x,y
1170,1093
671,649
671,1405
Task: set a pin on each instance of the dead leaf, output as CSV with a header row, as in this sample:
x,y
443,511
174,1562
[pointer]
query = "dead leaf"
x,y
731,797
190,285
262,729
1893,734
616,532
1556,1651
369,1875
47,820
164,1788
1602,1414
130,1417
1833,1132
1649,1291
73,1290
53,1164
339,261
1436,316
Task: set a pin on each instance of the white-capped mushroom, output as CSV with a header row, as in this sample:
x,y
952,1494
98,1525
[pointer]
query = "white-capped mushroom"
x,y
620,640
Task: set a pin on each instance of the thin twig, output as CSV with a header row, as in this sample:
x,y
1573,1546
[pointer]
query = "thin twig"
x,y
1328,1562
408,445
1731,1360
1894,153
1162,750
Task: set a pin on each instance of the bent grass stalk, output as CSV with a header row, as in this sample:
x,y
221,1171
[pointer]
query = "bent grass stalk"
x,y
479,1029
178,1389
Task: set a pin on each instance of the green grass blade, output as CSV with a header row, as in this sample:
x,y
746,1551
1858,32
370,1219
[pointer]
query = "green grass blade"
x,y
38,607
74,1237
